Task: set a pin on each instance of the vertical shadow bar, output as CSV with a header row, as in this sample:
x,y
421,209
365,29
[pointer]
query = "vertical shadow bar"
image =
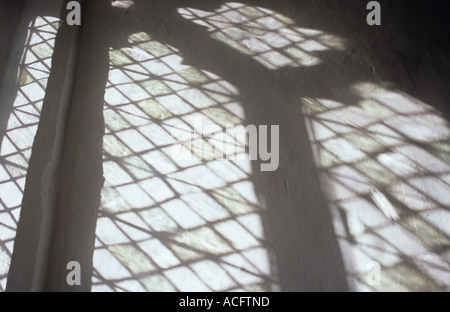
x,y
80,174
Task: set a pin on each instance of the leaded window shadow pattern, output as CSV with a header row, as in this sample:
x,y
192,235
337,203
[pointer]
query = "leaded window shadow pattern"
x,y
170,223
385,167
268,37
167,224
22,125
384,162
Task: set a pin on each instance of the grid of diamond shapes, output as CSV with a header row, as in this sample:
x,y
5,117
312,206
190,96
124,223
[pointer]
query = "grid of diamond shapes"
x,y
385,169
269,37
21,128
168,223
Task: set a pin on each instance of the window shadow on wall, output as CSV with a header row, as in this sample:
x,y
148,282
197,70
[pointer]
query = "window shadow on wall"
x,y
162,73
273,64
168,225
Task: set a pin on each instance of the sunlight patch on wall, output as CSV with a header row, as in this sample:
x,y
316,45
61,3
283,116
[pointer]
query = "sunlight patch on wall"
x,y
23,122
123,4
384,166
168,223
269,37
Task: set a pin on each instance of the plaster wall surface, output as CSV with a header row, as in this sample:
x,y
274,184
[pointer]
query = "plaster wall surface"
x,y
352,105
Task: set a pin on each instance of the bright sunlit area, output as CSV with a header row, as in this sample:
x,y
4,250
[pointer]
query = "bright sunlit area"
x,y
269,37
170,223
123,4
384,163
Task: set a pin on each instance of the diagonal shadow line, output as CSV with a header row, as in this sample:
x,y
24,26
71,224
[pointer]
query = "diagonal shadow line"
x,y
165,237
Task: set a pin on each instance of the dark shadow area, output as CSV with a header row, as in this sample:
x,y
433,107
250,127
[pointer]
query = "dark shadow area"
x,y
424,49
10,16
80,173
